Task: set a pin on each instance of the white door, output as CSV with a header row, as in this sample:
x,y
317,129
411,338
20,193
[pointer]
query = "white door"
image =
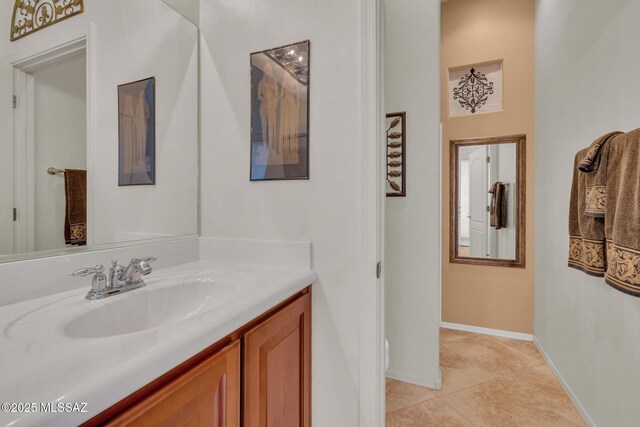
x,y
463,209
478,217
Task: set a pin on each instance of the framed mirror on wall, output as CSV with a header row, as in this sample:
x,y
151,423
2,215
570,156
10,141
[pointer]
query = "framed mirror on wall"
x,y
74,136
487,198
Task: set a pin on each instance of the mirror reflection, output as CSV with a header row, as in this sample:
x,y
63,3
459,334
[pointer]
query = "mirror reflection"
x,y
486,206
89,156
487,199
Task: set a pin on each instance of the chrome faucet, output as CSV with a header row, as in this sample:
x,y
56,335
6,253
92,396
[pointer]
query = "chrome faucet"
x,y
121,279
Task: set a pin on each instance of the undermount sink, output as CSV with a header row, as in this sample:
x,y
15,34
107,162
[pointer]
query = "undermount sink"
x,y
151,307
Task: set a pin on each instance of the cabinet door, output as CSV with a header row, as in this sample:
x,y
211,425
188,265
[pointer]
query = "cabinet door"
x,y
277,369
207,395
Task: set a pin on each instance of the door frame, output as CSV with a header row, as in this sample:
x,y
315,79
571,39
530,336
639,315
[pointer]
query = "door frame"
x,y
371,346
24,160
24,136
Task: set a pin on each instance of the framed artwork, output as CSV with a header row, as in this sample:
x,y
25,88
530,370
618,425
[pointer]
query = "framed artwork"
x,y
280,113
137,133
475,89
396,145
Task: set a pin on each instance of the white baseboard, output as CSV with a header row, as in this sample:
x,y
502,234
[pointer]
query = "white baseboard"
x,y
487,331
583,412
411,380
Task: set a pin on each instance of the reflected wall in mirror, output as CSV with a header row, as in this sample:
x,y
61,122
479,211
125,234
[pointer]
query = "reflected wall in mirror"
x,y
64,120
488,201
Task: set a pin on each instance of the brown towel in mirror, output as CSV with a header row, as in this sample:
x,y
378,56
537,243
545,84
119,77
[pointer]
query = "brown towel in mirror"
x,y
75,219
499,205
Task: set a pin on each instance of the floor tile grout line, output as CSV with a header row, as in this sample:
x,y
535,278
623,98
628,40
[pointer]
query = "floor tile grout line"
x,y
431,393
494,377
412,404
562,416
429,400
503,344
447,400
458,412
498,377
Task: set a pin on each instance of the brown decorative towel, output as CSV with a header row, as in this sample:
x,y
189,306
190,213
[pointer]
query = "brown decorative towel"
x,y
499,205
622,212
586,233
605,206
591,159
75,220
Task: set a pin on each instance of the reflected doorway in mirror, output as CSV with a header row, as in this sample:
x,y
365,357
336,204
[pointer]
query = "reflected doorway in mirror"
x,y
136,129
487,201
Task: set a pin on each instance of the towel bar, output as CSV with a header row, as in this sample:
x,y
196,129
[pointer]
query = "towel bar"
x,y
54,171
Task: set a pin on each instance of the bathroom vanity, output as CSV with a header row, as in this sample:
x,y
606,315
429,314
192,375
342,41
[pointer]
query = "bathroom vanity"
x,y
260,373
220,333
215,343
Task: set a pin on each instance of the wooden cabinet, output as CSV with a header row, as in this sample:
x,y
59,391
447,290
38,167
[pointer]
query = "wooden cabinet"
x,y
207,395
277,369
258,376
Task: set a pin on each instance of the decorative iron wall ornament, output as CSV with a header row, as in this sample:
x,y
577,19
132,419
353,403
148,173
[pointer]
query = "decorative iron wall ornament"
x,y
30,16
473,90
396,142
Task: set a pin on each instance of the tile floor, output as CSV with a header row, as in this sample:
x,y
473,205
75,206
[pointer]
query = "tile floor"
x,y
486,381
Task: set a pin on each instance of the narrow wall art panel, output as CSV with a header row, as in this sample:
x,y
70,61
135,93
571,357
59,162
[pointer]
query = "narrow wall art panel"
x,y
475,89
396,147
280,113
137,133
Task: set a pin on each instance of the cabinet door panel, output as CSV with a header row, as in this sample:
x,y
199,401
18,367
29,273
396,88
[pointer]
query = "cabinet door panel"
x,y
207,395
277,369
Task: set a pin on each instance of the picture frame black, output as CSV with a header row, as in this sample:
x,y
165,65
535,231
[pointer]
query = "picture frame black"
x,y
137,133
285,105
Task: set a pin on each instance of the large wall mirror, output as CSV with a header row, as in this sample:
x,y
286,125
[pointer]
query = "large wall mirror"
x,y
488,201
100,144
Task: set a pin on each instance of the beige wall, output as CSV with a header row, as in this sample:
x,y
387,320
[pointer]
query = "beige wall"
x,y
473,32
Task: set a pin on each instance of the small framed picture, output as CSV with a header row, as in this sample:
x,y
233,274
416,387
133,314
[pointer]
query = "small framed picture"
x,y
396,160
137,133
280,113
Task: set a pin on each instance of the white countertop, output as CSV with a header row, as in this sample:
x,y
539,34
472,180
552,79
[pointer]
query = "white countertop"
x,y
40,364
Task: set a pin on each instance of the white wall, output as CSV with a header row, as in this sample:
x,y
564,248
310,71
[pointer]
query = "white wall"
x,y
60,142
586,66
412,245
328,208
34,278
190,9
133,41
128,41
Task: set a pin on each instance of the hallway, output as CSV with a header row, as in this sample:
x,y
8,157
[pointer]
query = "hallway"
x,y
487,381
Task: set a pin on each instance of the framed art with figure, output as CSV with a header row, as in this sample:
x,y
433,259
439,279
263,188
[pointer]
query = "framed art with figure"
x,y
280,113
137,133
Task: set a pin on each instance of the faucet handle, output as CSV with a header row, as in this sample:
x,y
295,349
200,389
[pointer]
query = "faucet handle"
x,y
98,269
148,259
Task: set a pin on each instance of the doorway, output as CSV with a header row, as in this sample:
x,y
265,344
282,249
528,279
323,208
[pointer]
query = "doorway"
x,y
50,135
